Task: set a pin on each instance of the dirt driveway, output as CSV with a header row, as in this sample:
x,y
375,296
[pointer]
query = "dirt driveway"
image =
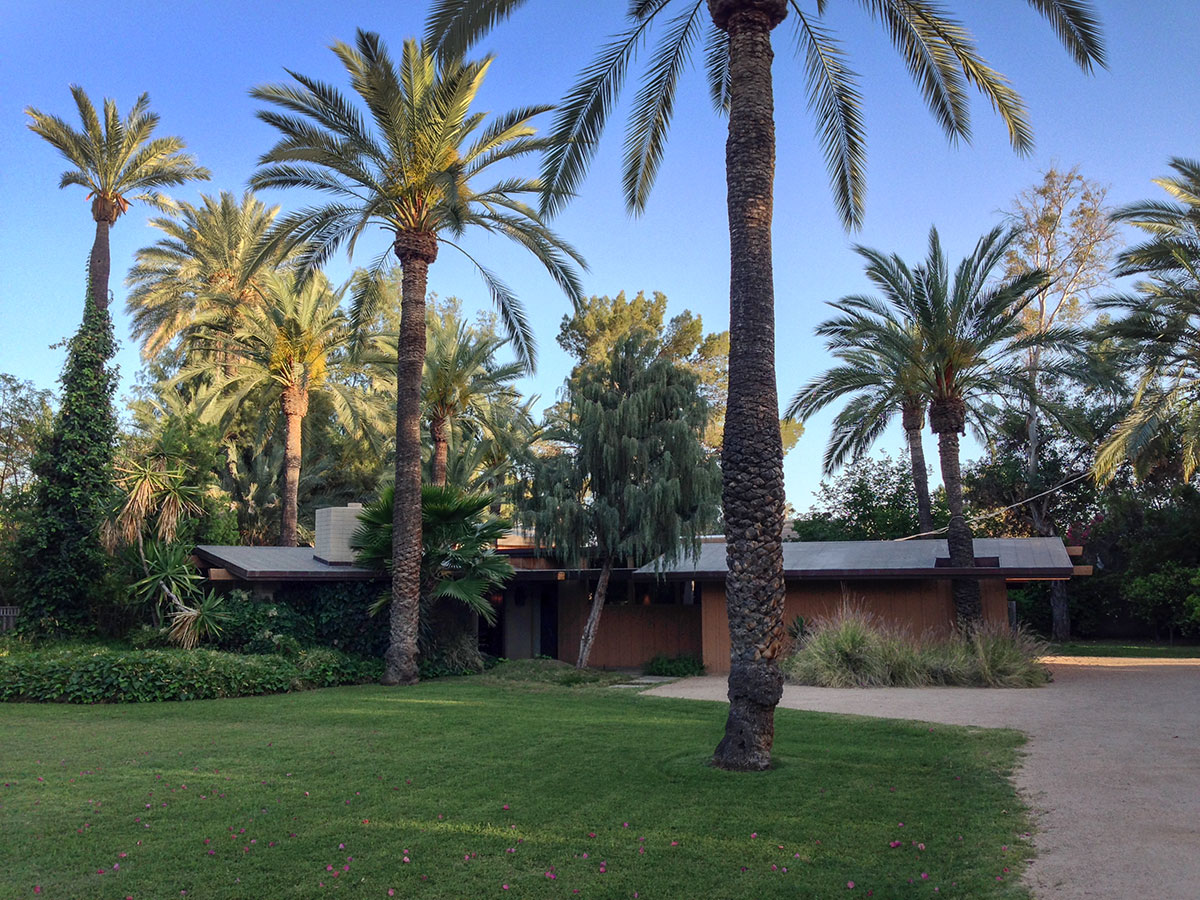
x,y
1112,768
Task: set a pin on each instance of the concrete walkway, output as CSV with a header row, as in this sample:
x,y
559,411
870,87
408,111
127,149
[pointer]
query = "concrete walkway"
x,y
1112,770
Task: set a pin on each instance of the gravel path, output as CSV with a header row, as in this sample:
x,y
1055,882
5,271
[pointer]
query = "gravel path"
x,y
1112,769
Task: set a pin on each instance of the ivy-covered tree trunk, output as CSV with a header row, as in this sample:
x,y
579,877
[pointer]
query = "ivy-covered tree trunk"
x,y
295,408
913,419
947,419
416,252
64,577
752,457
593,620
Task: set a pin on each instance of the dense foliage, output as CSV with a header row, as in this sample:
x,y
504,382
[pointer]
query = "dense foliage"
x,y
105,675
65,571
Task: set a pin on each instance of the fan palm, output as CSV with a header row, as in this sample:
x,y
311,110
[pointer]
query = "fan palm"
x,y
205,261
412,167
118,162
293,342
961,340
879,386
942,58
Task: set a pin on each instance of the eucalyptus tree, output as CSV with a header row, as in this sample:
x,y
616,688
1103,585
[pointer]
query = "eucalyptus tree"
x,y
412,166
631,479
962,339
1066,231
295,341
940,55
206,261
118,162
879,383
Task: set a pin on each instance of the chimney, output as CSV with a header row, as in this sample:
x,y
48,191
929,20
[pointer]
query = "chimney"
x,y
335,524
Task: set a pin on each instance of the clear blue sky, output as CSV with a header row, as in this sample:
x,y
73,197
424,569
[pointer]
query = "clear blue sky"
x,y
197,61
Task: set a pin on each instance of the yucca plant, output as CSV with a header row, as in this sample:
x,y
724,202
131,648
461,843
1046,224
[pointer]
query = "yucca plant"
x,y
202,619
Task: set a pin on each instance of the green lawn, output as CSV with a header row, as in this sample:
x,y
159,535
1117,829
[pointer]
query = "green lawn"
x,y
456,788
1136,649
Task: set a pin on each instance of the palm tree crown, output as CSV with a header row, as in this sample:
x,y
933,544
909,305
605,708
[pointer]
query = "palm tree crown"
x,y
293,342
202,262
118,162
1158,337
938,50
879,385
410,166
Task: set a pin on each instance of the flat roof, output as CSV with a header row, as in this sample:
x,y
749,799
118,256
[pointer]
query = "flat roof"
x,y
280,564
1030,558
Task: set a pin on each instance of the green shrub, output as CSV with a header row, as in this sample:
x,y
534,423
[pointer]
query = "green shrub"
x,y
683,666
854,648
105,675
147,637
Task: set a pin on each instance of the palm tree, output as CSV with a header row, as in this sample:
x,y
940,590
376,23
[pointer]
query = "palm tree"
x,y
1158,339
961,339
117,162
462,384
880,385
411,167
204,261
941,56
295,341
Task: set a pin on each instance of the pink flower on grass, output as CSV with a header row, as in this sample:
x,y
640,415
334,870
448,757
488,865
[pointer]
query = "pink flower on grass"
x,y
850,885
924,876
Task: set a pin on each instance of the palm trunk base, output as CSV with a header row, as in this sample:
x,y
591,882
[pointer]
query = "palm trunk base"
x,y
754,690
399,667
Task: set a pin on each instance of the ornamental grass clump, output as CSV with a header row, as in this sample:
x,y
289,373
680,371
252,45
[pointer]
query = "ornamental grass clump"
x,y
856,648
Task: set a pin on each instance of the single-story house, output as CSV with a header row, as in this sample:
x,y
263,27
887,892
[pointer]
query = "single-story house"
x,y
677,608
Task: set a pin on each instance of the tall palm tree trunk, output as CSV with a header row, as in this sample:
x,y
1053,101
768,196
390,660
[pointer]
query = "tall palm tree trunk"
x,y
752,457
416,252
913,420
968,607
99,262
295,408
441,449
593,620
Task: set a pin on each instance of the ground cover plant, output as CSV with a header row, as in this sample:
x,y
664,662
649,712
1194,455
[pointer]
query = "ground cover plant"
x,y
855,648
460,789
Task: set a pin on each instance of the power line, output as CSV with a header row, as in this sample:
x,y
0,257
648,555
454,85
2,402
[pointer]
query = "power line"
x,y
997,512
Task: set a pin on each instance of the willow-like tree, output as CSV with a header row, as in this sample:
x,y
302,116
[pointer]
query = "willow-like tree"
x,y
940,55
631,479
118,162
412,166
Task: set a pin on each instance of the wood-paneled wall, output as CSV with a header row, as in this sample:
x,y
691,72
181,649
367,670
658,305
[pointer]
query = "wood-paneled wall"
x,y
920,605
629,635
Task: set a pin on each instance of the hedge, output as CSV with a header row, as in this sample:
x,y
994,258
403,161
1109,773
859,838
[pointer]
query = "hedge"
x,y
106,675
